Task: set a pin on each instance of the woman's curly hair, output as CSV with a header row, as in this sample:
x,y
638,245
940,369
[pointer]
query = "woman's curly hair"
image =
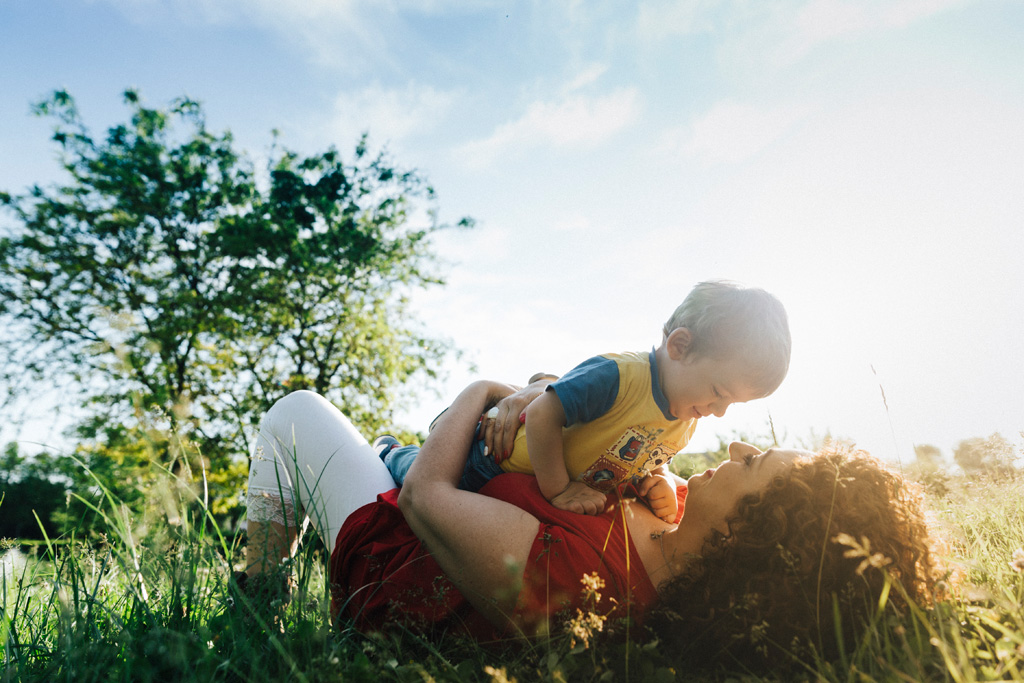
x,y
803,566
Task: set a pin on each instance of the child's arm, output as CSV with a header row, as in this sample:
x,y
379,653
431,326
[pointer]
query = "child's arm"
x,y
544,422
658,488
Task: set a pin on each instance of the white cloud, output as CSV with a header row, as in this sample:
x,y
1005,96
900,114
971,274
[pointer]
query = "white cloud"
x,y
661,19
572,121
284,13
780,32
389,114
352,35
820,21
574,224
731,132
903,13
586,77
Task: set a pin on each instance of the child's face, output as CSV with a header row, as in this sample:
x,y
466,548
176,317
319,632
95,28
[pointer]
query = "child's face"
x,y
698,386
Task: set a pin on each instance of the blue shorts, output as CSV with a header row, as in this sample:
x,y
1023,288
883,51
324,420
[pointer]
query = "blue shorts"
x,y
479,469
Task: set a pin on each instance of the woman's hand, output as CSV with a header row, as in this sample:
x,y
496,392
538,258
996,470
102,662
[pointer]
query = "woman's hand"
x,y
580,498
501,424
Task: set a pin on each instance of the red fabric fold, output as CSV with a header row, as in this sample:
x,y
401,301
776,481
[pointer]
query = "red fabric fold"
x,y
382,575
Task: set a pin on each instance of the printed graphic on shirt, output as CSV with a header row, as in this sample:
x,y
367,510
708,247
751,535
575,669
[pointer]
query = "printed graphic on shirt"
x,y
604,475
636,452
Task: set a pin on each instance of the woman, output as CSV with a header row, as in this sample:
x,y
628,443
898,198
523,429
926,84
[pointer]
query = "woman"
x,y
755,561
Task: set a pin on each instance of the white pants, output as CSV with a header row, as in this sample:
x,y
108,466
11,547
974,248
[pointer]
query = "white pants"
x,y
309,462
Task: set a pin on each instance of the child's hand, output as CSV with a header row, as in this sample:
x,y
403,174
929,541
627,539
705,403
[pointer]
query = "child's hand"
x,y
659,491
578,497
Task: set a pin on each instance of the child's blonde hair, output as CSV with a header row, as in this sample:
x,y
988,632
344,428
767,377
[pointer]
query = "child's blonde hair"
x,y
731,322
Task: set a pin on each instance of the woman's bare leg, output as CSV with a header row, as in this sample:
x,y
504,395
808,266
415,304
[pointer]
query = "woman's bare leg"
x,y
268,544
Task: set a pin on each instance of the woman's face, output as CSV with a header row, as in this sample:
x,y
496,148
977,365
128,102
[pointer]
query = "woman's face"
x,y
714,495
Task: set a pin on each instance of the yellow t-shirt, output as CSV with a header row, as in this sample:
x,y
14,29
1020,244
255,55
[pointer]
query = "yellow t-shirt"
x,y
618,422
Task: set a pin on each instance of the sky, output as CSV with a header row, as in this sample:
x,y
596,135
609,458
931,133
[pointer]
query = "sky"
x,y
862,160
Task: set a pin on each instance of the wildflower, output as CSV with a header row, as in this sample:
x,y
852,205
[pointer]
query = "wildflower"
x,y
584,625
592,583
1017,560
862,549
498,675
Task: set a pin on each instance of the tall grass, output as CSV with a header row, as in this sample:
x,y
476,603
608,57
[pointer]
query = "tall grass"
x,y
154,601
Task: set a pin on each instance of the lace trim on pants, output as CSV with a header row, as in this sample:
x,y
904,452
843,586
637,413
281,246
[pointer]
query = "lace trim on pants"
x,y
268,505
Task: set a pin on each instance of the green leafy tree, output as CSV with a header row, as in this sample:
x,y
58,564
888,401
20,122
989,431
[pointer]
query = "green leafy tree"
x,y
31,494
179,289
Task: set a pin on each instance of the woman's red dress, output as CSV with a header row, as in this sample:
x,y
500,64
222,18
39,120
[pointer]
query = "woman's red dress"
x,y
382,575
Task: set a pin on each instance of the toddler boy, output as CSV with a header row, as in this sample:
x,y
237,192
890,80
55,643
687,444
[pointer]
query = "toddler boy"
x,y
620,418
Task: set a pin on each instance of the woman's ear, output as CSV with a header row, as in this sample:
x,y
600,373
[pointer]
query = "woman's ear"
x,y
678,343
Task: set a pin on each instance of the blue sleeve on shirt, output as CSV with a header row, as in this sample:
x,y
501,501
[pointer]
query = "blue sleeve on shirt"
x,y
589,390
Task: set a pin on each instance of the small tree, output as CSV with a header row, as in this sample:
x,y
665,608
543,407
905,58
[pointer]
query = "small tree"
x,y
928,469
928,456
993,455
176,287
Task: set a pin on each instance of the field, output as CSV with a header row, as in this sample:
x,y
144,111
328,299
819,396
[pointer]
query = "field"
x,y
153,602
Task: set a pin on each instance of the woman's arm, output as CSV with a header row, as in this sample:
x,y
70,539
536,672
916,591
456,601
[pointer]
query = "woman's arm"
x,y
481,543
